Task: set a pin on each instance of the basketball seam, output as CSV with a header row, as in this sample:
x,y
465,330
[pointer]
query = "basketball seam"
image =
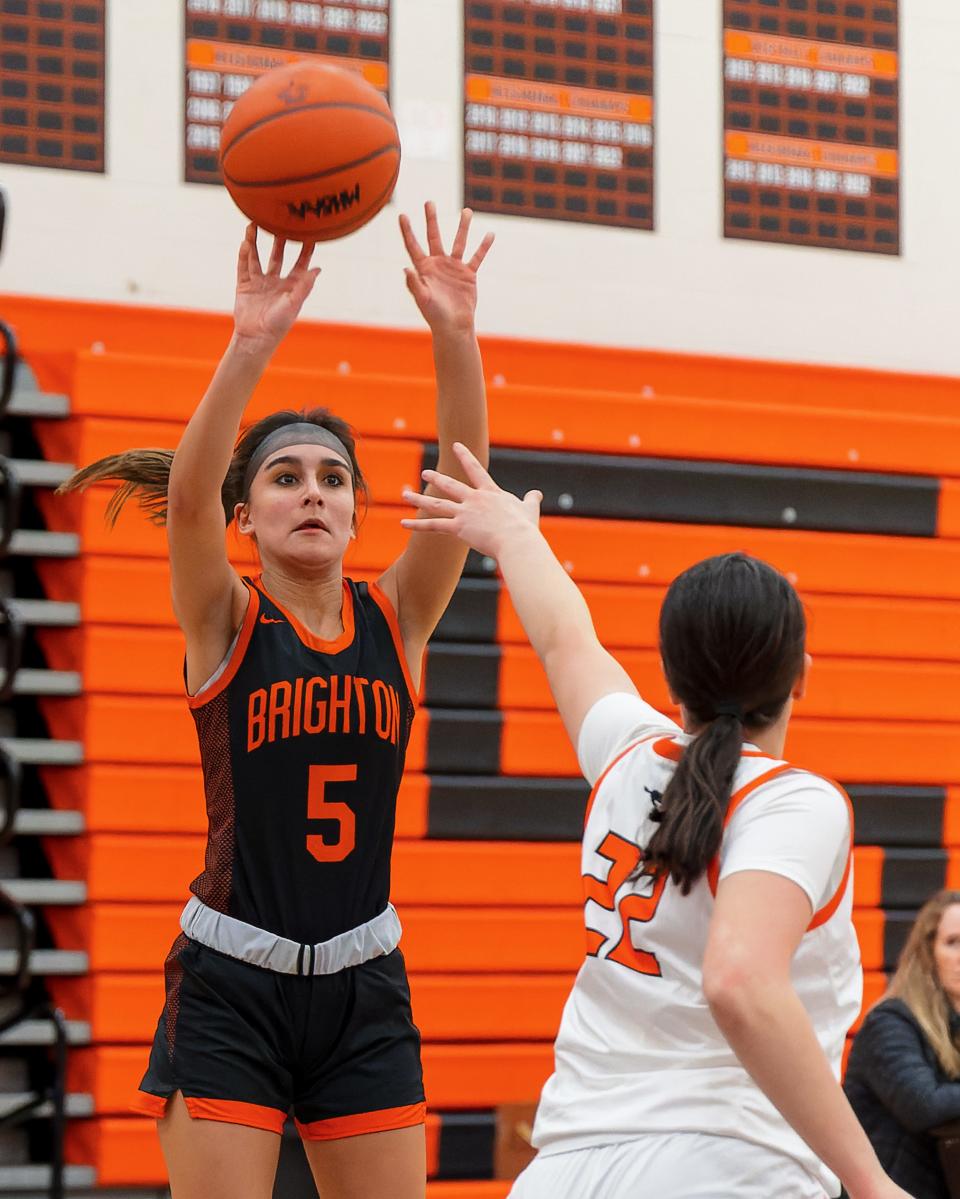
x,y
275,116
346,166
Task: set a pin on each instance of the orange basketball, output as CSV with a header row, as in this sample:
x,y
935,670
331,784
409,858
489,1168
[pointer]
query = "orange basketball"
x,y
310,152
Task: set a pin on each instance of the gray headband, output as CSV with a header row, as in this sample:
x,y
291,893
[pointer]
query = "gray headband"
x,y
301,433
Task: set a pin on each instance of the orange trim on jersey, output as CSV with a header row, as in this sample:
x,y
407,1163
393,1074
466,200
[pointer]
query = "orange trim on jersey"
x,y
606,770
311,640
233,665
713,870
666,747
384,1120
828,909
389,615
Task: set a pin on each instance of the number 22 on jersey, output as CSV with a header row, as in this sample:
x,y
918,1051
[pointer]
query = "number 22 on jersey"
x,y
624,858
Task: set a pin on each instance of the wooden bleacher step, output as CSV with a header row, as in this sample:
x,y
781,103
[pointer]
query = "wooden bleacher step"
x,y
77,1105
36,681
40,543
29,400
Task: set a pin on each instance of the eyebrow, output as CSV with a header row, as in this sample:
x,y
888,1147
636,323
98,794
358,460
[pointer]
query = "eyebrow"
x,y
299,462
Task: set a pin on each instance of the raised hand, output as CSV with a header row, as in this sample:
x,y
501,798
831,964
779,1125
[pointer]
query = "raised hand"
x,y
478,511
268,303
443,285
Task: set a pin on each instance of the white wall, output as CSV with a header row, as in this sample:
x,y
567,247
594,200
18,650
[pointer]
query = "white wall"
x,y
138,234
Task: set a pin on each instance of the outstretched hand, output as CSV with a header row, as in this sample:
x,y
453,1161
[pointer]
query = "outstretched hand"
x,y
478,511
443,285
267,303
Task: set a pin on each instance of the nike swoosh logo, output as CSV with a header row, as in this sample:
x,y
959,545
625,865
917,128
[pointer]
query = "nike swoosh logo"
x,y
271,620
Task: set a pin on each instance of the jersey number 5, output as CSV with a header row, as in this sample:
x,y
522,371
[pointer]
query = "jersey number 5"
x,y
624,857
321,808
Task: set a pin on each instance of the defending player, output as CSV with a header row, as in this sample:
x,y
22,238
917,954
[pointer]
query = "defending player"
x,y
287,988
699,1050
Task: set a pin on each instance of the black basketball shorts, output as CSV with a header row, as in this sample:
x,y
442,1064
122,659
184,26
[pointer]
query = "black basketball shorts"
x,y
247,1046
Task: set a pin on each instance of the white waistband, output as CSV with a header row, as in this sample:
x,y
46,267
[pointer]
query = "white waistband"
x,y
237,939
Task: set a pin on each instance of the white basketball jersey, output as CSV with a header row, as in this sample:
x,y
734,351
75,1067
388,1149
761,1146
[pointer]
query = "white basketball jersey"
x,y
638,1049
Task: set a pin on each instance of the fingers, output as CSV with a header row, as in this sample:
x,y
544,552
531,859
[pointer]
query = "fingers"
x,y
473,469
243,264
434,240
276,256
451,488
253,254
431,505
531,503
482,251
414,249
463,232
416,287
304,258
430,525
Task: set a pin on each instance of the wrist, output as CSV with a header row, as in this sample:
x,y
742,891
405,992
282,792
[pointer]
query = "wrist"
x,y
454,333
517,538
257,349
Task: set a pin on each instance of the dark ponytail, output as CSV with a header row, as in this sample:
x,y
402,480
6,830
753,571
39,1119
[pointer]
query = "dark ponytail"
x,y
145,474
732,638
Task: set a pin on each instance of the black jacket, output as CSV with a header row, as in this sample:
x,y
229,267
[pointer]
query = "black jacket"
x,y
898,1090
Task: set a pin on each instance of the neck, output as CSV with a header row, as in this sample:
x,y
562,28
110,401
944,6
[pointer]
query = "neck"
x,y
770,740
315,601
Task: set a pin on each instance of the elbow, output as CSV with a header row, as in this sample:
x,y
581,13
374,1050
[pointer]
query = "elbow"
x,y
739,999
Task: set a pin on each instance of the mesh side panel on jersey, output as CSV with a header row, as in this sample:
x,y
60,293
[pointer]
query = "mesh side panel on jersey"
x,y
213,886
173,976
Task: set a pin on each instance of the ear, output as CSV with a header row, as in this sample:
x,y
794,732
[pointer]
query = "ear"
x,y
800,686
241,514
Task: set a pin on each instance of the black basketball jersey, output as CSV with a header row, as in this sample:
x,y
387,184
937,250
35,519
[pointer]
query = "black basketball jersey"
x,y
303,744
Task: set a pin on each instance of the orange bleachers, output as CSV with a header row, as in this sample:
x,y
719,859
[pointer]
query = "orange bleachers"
x,y
493,930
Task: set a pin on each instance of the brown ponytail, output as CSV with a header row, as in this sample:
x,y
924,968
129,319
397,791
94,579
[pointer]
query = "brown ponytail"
x,y
144,474
732,635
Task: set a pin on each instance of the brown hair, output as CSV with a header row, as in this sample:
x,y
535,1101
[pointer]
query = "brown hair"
x,y
732,635
145,473
917,981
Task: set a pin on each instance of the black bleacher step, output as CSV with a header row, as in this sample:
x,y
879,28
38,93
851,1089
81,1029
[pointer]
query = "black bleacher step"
x,y
46,613
34,681
31,1033
911,876
45,892
896,929
61,962
28,400
41,751
898,816
48,822
40,543
30,1182
480,808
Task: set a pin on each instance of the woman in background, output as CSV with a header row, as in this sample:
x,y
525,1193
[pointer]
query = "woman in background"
x,y
903,1075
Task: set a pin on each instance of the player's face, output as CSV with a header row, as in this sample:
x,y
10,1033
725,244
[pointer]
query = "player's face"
x,y
301,506
946,953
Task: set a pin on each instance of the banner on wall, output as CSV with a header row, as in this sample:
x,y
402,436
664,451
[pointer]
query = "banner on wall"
x,y
230,43
811,123
52,68
558,109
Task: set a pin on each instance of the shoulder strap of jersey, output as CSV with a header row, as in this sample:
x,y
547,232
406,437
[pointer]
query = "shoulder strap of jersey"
x,y
378,601
823,914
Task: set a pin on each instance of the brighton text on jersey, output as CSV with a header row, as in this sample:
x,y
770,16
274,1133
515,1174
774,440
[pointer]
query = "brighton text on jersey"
x,y
322,704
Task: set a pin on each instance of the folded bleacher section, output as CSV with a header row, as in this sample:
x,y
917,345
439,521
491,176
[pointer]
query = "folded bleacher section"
x,y
647,462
